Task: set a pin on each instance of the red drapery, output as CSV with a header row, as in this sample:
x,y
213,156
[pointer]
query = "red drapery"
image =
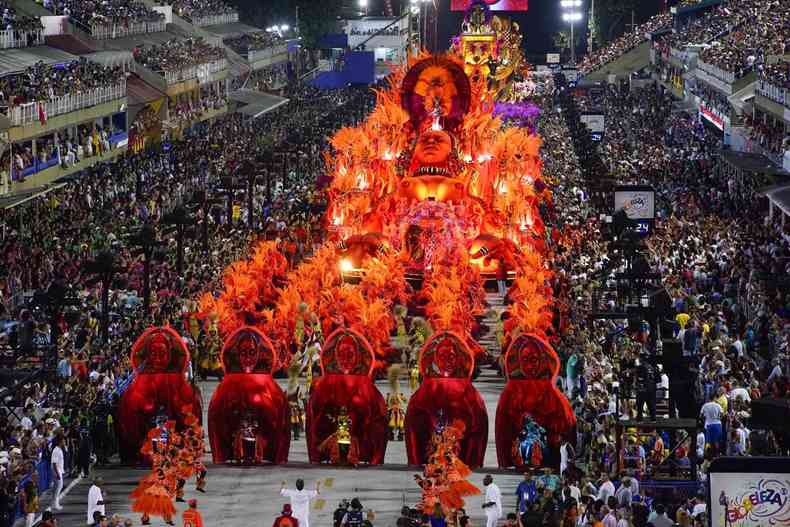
x,y
458,400
365,406
253,396
141,403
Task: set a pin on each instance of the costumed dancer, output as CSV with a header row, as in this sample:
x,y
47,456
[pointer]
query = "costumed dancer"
x,y
341,447
154,495
402,337
195,445
210,357
295,399
192,516
396,404
245,446
443,482
530,444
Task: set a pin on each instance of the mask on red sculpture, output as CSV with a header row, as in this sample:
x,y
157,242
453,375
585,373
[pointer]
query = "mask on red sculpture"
x,y
535,362
248,355
158,354
346,354
446,359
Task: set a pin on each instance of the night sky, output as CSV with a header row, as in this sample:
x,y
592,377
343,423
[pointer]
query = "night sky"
x,y
538,25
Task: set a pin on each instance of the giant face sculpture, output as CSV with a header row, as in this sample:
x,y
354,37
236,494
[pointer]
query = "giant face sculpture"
x,y
433,148
446,358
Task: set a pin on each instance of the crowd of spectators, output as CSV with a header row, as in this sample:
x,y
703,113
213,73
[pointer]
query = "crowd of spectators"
x,y
191,9
12,21
243,44
777,74
768,132
114,12
175,55
623,44
389,32
187,109
43,82
762,33
48,241
719,264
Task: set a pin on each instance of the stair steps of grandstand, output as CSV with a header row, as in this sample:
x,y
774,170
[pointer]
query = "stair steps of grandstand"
x,y
636,59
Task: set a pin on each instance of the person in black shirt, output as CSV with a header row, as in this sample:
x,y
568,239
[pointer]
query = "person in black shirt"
x,y
645,387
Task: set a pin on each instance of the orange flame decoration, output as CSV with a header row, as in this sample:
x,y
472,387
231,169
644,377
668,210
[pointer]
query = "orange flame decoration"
x,y
497,168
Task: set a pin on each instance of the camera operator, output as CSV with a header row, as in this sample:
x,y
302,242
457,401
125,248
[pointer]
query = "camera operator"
x,y
645,386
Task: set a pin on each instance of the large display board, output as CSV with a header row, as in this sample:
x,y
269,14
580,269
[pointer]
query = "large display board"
x,y
494,5
749,492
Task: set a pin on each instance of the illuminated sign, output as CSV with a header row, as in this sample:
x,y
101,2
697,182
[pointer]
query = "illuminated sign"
x,y
494,5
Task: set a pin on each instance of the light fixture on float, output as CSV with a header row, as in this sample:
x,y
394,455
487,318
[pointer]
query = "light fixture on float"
x,y
346,266
482,158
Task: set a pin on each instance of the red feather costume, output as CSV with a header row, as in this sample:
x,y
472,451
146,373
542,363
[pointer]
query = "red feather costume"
x,y
531,366
447,393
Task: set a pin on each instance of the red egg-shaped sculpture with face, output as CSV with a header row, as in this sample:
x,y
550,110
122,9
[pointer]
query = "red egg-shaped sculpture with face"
x,y
248,417
446,395
531,366
159,389
346,387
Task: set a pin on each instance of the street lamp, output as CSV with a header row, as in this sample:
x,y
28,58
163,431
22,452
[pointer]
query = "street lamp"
x,y
572,17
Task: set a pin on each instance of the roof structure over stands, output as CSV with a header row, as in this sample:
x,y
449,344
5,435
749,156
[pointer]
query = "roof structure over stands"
x,y
143,39
755,164
11,200
15,60
111,58
232,29
779,196
256,103
140,92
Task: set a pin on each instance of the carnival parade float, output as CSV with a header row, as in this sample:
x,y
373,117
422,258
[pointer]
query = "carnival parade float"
x,y
433,196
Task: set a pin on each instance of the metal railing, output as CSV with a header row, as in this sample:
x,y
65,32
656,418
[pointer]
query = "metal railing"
x,y
201,71
725,76
10,38
110,31
31,111
213,20
776,93
255,55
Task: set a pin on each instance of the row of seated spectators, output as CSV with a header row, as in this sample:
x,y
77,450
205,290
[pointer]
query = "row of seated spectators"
x,y
268,79
767,133
90,12
713,99
43,82
66,150
717,22
191,9
12,21
189,110
623,44
777,74
175,55
252,41
763,33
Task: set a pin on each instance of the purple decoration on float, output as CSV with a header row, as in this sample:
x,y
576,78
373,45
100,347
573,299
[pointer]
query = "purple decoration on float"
x,y
523,114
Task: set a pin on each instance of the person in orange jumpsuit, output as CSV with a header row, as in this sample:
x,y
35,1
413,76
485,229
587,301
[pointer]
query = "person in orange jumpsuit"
x,y
191,516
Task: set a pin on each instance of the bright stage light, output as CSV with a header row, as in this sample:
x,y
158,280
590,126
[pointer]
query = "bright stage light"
x,y
363,3
346,266
284,27
572,17
566,4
